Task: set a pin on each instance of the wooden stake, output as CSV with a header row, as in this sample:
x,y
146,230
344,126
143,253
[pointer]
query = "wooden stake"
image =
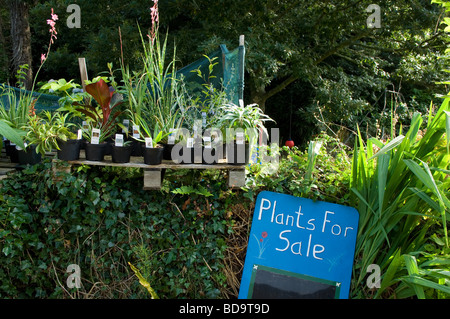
x,y
83,72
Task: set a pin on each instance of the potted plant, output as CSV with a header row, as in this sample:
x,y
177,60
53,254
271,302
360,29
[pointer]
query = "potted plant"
x,y
14,111
100,117
68,144
152,149
242,125
121,150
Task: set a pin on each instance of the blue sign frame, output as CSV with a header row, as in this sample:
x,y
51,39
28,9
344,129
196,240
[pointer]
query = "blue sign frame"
x,y
300,236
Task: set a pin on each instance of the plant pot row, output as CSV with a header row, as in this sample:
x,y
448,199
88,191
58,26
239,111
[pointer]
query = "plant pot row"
x,y
23,157
70,150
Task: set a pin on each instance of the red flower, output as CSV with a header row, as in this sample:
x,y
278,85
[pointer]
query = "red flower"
x,y
264,234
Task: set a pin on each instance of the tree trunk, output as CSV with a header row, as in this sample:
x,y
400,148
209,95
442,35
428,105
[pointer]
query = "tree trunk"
x,y
4,60
21,39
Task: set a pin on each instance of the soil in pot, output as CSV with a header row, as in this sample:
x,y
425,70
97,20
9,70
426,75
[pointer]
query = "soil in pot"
x,y
69,150
29,156
238,154
153,156
95,152
121,154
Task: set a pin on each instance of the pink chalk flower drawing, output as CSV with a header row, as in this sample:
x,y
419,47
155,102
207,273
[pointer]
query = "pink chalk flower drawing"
x,y
262,242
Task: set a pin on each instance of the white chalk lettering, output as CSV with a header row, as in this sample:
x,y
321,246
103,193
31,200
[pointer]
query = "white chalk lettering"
x,y
297,248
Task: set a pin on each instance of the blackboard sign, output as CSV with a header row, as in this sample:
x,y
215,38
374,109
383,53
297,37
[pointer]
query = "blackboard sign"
x,y
299,249
271,283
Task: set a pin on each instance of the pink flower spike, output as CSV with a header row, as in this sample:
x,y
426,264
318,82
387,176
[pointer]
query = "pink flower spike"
x,y
54,16
43,58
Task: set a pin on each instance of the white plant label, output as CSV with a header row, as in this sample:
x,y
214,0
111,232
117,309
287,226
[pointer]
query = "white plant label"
x,y
190,142
239,137
95,138
207,141
171,138
119,140
136,131
204,119
148,142
125,123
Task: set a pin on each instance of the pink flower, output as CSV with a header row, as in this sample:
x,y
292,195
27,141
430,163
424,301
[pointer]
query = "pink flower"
x,y
264,234
51,23
155,18
43,58
54,16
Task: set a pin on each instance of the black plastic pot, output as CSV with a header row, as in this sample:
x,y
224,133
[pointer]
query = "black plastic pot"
x,y
29,156
109,143
95,152
153,156
69,150
136,147
183,155
234,153
210,156
7,143
12,152
121,154
167,155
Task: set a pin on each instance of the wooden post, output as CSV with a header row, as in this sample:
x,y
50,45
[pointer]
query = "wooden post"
x,y
236,178
241,67
58,168
83,72
152,179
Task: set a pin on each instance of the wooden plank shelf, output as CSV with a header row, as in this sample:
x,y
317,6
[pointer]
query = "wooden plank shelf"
x,y
154,174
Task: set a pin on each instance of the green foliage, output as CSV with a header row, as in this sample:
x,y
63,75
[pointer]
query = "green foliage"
x,y
44,131
321,173
401,192
101,219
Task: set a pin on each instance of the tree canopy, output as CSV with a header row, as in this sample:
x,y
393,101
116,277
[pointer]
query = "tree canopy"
x,y
319,59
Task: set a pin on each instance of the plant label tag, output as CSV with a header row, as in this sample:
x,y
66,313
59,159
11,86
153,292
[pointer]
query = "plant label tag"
x,y
119,140
136,131
207,140
148,142
239,137
84,125
79,134
125,123
171,138
204,119
95,138
195,130
190,142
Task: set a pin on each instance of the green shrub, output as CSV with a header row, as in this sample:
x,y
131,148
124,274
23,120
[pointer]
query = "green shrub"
x,y
320,173
401,192
101,219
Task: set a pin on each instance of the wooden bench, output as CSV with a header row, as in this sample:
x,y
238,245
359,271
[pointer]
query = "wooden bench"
x,y
154,174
